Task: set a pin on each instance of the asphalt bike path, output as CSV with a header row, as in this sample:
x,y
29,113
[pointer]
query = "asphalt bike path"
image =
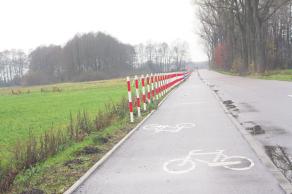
x,y
189,145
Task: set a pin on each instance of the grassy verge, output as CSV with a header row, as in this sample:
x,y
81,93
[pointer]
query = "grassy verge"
x,y
281,75
59,172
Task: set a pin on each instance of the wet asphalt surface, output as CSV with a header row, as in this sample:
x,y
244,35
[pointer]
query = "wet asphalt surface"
x,y
143,163
266,103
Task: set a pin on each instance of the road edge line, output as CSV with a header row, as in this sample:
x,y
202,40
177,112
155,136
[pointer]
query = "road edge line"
x,y
257,147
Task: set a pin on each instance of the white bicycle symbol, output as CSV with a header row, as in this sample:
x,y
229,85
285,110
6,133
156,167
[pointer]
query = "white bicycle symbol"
x,y
187,164
167,128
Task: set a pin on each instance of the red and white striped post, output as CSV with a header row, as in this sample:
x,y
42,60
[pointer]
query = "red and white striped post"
x,y
143,92
137,96
163,84
152,87
156,86
160,83
148,88
130,100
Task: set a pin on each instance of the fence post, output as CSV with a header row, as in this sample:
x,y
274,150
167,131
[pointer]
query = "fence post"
x,y
152,86
148,88
156,86
143,92
164,84
130,100
137,96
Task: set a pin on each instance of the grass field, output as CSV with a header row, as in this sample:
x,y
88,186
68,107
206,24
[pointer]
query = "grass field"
x,y
39,111
41,108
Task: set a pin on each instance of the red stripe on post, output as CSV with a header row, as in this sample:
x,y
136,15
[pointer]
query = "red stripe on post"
x,y
129,86
136,84
131,106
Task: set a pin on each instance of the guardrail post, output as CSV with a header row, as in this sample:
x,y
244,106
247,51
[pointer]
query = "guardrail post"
x,y
130,100
148,89
137,96
143,92
152,87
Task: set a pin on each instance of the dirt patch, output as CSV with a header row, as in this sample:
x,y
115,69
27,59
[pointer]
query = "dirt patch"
x,y
33,191
74,162
236,110
281,160
228,102
102,139
89,150
231,106
256,130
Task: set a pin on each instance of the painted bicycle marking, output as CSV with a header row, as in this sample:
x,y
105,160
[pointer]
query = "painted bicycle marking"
x,y
157,128
187,164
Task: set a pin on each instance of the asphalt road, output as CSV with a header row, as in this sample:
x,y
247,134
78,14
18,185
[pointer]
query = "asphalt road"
x,y
264,102
158,157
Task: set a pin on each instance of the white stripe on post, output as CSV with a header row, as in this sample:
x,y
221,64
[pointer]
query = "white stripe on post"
x,y
143,92
152,86
137,96
167,81
164,83
130,100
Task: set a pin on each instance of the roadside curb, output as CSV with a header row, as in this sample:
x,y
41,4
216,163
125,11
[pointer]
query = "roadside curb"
x,y
100,162
257,147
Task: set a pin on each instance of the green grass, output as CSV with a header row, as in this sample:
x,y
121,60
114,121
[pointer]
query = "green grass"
x,y
228,72
281,75
52,176
39,111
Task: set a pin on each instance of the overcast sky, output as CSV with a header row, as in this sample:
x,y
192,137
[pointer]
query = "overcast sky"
x,y
26,24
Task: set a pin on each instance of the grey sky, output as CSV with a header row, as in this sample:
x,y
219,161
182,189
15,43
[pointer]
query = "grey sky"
x,y
27,24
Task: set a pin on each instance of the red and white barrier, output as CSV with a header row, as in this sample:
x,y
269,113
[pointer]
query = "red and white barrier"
x,y
137,96
143,92
130,100
148,89
153,88
156,86
160,85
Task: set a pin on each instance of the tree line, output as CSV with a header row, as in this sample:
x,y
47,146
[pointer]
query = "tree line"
x,y
89,56
247,36
162,57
